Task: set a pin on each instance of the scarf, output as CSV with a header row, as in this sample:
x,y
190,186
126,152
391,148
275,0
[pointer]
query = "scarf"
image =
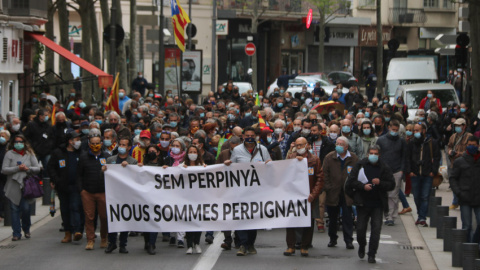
x,y
177,158
22,152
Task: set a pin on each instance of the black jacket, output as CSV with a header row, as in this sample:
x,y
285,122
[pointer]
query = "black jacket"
x,y
326,147
90,175
59,174
427,164
464,180
357,190
42,137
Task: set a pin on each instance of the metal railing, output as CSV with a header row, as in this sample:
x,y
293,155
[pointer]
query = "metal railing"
x,y
406,16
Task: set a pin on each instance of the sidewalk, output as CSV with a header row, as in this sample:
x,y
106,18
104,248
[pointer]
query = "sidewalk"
x,y
42,216
439,259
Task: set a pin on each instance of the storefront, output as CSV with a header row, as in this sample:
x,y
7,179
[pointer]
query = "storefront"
x,y
367,49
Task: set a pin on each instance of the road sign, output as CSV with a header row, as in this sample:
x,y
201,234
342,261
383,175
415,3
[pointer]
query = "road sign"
x,y
446,39
309,18
447,50
250,49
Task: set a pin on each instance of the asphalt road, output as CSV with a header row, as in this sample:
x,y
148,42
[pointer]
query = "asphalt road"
x,y
44,251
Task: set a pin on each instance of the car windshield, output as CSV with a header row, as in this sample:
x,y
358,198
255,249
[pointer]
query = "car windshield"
x,y
415,97
392,85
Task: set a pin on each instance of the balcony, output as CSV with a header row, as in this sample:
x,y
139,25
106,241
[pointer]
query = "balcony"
x,y
406,16
275,6
26,8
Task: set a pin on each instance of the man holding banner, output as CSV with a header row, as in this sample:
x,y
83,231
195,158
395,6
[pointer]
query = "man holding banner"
x,y
315,179
249,151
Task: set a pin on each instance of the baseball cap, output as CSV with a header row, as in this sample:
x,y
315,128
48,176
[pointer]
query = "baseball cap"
x,y
145,134
460,121
71,134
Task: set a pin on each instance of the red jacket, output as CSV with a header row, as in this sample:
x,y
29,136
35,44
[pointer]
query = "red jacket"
x,y
424,100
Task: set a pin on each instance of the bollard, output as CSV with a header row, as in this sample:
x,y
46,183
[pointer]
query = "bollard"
x,y
449,223
477,264
7,219
47,191
33,208
432,204
469,254
441,211
459,236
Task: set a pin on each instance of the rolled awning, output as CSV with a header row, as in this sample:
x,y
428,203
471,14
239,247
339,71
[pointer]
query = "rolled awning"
x,y
105,80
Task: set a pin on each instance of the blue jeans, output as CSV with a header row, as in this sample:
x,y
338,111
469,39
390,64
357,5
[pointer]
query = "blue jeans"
x,y
72,210
466,215
421,187
455,199
21,211
403,199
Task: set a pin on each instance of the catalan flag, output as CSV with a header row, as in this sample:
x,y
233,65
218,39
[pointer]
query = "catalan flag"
x,y
180,21
261,122
112,102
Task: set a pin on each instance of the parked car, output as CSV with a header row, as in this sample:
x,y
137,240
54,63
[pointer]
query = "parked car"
x,y
296,85
242,86
318,75
414,93
344,77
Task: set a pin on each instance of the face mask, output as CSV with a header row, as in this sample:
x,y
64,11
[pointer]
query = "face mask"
x,y
90,118
280,105
269,139
257,139
265,105
305,131
3,140
458,129
137,131
164,144
248,114
45,119
107,143
77,144
250,140
173,124
359,121
157,135
430,96
340,92
151,155
278,130
34,100
85,131
121,95
314,138
16,127
202,115
139,115
387,119
288,99
99,121
317,98
237,110
122,150
346,129
282,91
409,133
421,118
83,105
367,131
339,149
462,110
175,150
95,148
417,135
373,158
367,114
150,95
472,149
301,151
385,101
19,146
192,157
393,133
72,94
333,136
304,110
140,76
297,129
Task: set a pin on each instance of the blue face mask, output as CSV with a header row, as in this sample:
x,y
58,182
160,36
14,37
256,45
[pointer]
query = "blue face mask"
x,y
304,110
280,105
83,105
3,140
302,98
19,146
107,143
373,158
346,129
472,149
99,121
85,131
409,133
282,91
387,119
367,131
122,150
173,124
339,149
269,139
421,118
202,114
139,115
248,114
158,135
417,135
429,95
46,118
458,129
238,111
367,114
150,95
34,100
121,95
393,133
462,110
137,131
317,98
231,116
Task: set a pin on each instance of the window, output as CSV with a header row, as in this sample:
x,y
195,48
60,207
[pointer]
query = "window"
x,y
430,3
367,3
415,97
5,49
20,50
445,4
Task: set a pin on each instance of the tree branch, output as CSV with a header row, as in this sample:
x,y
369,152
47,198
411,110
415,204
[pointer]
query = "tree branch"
x,y
74,7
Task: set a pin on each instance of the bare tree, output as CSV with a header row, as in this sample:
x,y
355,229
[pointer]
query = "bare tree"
x,y
379,48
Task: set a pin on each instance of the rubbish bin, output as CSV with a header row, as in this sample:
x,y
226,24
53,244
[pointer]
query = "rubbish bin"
x,y
449,223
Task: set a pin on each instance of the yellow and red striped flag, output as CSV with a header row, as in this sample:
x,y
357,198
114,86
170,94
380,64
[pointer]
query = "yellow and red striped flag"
x,y
261,122
112,102
180,21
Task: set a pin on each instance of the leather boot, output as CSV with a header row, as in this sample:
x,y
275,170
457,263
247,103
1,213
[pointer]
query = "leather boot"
x,y
67,238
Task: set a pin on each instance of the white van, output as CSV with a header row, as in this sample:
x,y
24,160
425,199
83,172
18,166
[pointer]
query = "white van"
x,y
414,93
402,71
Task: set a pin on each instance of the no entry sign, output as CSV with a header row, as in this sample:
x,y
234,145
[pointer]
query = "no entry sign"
x,y
250,49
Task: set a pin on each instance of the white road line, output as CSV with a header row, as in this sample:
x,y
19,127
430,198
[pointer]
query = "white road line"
x,y
209,258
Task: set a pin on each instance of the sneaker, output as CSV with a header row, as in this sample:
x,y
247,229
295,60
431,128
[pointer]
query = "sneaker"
x,y
242,251
252,250
180,244
189,250
321,228
453,206
423,223
172,241
28,235
405,210
417,222
389,223
332,243
289,252
209,239
123,250
90,245
198,249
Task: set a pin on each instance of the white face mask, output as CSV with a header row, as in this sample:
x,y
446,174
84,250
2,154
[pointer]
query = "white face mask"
x,y
192,157
301,151
16,127
77,144
297,129
175,150
164,144
306,131
333,136
279,130
90,118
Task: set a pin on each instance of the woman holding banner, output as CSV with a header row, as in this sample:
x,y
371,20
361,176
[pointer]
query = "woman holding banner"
x,y
193,158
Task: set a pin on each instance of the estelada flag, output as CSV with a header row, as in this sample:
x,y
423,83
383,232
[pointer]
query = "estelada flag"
x,y
180,21
112,102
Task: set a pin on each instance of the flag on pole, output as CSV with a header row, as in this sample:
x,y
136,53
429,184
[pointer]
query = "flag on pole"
x,y
180,21
261,122
112,102
257,101
53,115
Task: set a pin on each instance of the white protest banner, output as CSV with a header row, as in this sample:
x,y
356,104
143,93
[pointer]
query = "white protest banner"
x,y
241,196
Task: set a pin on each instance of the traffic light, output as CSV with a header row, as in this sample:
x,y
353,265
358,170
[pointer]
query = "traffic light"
x,y
461,51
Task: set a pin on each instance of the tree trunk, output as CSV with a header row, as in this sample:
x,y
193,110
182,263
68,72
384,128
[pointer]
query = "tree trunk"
x,y
105,21
96,60
132,42
86,47
321,42
121,58
379,49
474,9
49,54
65,64
254,57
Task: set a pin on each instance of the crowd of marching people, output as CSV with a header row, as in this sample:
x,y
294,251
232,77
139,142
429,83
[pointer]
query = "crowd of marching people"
x,y
360,155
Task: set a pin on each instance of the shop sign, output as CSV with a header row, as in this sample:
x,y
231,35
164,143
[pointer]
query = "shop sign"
x,y
222,27
368,35
347,37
